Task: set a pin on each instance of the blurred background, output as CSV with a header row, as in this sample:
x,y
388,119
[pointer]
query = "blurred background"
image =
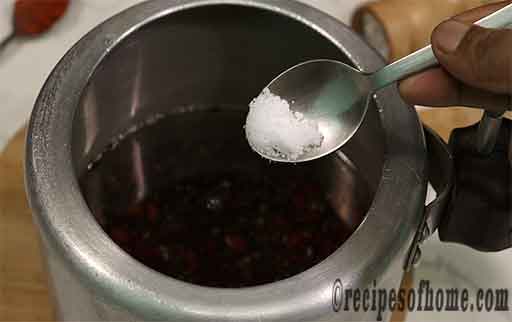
x,y
26,62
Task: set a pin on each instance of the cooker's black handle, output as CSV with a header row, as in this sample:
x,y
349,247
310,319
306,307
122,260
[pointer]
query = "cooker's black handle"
x,y
474,190
479,213
488,132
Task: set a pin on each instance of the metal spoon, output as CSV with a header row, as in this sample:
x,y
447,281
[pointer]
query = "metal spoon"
x,y
337,96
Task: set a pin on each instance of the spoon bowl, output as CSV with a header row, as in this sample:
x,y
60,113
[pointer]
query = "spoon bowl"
x,y
329,92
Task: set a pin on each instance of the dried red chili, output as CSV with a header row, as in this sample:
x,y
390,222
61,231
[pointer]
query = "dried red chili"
x,y
32,17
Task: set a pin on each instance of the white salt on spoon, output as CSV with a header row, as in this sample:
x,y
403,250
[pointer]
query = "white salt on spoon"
x,y
272,129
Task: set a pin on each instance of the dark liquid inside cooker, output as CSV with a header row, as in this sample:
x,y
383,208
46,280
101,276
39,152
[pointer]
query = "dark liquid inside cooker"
x,y
187,197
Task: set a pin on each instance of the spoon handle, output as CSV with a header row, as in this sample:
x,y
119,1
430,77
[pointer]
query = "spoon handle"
x,y
425,58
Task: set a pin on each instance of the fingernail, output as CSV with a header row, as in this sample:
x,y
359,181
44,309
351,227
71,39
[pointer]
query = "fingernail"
x,y
448,35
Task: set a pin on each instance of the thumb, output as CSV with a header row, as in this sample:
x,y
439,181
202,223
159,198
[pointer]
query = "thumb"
x,y
479,57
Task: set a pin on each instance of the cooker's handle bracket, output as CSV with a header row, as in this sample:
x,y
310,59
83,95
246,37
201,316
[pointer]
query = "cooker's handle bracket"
x,y
441,177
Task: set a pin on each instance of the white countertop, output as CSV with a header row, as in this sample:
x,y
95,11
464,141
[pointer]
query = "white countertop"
x,y
25,64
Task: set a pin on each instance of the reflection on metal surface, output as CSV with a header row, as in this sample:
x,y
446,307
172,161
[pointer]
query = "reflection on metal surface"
x,y
137,86
138,171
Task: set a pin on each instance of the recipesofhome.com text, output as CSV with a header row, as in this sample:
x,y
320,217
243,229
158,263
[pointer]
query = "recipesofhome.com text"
x,y
422,298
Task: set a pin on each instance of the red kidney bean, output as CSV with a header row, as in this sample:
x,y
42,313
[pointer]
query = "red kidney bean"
x,y
152,212
236,243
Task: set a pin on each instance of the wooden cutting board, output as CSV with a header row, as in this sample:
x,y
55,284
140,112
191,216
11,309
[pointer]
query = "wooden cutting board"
x,y
24,294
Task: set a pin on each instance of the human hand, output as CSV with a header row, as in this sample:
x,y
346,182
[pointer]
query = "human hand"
x,y
476,65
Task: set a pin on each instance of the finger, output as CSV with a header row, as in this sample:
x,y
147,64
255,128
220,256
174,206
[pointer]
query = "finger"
x,y
479,57
435,87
